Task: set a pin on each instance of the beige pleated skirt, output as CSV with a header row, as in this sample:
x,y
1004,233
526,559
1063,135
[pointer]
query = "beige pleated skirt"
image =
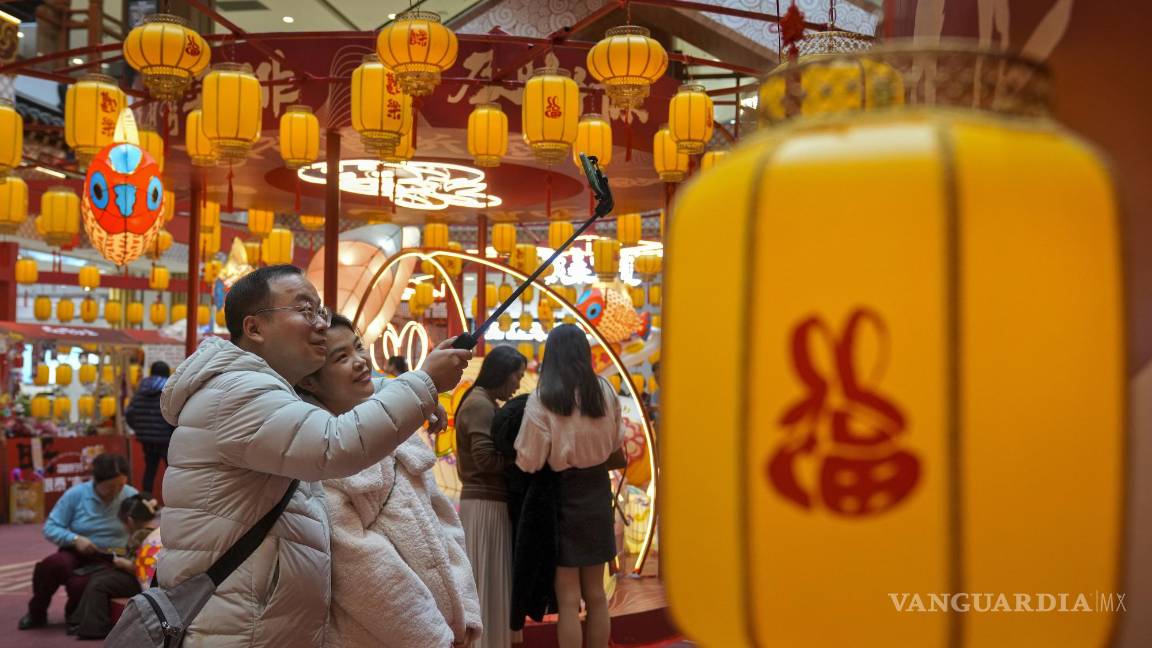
x,y
488,541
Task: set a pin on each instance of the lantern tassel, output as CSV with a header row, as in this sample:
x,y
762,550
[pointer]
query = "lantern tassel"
x,y
230,188
203,189
415,119
379,185
297,194
548,193
393,193
164,130
628,137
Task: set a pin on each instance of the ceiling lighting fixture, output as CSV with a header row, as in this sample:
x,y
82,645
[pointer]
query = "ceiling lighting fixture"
x,y
431,186
289,19
392,16
52,172
76,60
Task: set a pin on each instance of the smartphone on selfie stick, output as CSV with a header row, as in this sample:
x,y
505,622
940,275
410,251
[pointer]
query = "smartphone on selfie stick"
x,y
599,185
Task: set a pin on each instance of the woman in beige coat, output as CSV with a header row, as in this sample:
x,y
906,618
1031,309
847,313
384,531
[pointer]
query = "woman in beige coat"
x,y
400,577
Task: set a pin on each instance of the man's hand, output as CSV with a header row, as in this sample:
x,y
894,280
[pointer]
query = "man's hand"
x,y
438,422
84,545
124,564
445,365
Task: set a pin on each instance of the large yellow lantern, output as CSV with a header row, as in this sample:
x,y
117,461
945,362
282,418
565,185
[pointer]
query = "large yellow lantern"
x,y
134,314
231,110
381,112
61,408
27,272
89,310
550,113
261,221
113,313
11,139
711,159
160,244
419,48
487,135
593,138
200,148
629,228
209,217
606,258
524,258
558,233
690,118
13,204
504,238
299,136
65,310
158,313
896,422
92,106
167,54
627,61
89,277
210,242
42,308
436,235
278,247
671,164
159,278
151,142
60,215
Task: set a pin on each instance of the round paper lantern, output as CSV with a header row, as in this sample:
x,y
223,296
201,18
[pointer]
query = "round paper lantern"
x,y
252,249
436,235
528,295
11,139
107,406
504,323
550,113
711,158
42,308
231,110
60,215
211,271
134,374
690,118
279,247
27,271
13,204
491,295
160,244
86,406
64,374
123,197
671,164
628,229
210,242
503,293
203,314
593,138
312,223
452,265
545,312
113,313
87,373
209,217
526,349
419,48
627,61
179,313
89,310
65,310
159,278
40,407
200,148
299,136
151,142
135,313
648,265
89,277
558,233
167,54
655,295
636,293
158,313
91,107
261,221
381,112
504,238
524,323
42,376
487,135
883,383
606,258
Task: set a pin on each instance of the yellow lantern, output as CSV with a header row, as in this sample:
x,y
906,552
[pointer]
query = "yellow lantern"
x,y
108,373
113,312
419,48
504,238
402,152
648,265
526,349
637,381
487,135
261,221
381,112
492,295
524,322
252,249
221,317
452,265
671,163
87,373
279,247
60,215
65,310
203,314
550,113
312,223
133,374
504,322
42,308
13,204
528,295
89,277
569,319
158,313
159,278
161,244
167,54
135,313
655,294
86,406
593,138
636,293
11,139
503,293
711,158
210,242
63,374
151,142
200,148
168,211
436,235
26,271
524,258
107,407
690,115
209,217
299,136
423,296
876,380
42,375
627,61
179,313
629,227
615,381
89,311
92,106
231,110
545,312
211,271
606,258
41,407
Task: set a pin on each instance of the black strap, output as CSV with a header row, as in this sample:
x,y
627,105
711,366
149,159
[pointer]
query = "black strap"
x,y
239,552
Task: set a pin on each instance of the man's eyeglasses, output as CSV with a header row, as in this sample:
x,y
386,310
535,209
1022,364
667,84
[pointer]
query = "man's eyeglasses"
x,y
313,314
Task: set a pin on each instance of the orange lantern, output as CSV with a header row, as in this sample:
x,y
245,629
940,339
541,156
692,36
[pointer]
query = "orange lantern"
x,y
381,112
593,138
11,139
550,113
487,135
670,162
436,235
629,227
504,238
160,244
200,148
690,118
42,308
299,136
65,310
648,265
252,250
13,204
312,223
167,53
627,61
63,374
87,374
89,310
524,323
203,314
135,313
113,313
92,106
279,247
179,313
159,278
231,110
711,159
26,271
261,221
60,215
89,277
158,313
558,233
40,407
107,406
86,406
419,48
606,258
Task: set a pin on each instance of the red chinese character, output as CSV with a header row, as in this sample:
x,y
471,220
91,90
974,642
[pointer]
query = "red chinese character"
x,y
552,111
418,37
390,83
107,125
108,102
393,109
191,47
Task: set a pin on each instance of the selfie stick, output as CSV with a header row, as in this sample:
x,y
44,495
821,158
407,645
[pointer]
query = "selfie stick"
x,y
599,185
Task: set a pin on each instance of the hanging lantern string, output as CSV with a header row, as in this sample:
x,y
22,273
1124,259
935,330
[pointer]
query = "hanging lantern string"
x,y
380,185
164,128
548,193
415,119
394,183
628,135
831,14
203,188
297,193
775,27
230,174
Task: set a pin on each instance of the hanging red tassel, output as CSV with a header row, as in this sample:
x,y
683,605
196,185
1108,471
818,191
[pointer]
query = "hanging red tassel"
x,y
628,136
164,130
548,194
297,194
415,119
203,189
379,185
229,188
394,183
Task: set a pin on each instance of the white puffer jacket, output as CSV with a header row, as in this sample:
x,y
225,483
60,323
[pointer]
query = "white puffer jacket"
x,y
242,435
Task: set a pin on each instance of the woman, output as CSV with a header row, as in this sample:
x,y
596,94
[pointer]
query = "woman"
x,y
572,422
400,576
483,496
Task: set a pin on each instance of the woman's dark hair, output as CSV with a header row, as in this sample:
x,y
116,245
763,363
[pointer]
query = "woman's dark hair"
x,y
500,363
399,363
140,507
566,375
108,466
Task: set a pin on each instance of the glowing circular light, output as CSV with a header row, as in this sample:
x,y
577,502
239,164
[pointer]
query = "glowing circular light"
x,y
429,186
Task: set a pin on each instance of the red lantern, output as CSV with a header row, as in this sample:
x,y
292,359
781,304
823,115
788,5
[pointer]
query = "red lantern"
x,y
123,202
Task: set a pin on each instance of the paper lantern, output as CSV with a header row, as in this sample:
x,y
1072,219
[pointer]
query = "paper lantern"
x,y
92,106
655,295
492,295
159,278
200,148
134,374
503,293
558,233
160,244
151,142
65,310
107,407
42,376
452,265
179,313
40,407
690,118
123,197
26,271
221,318
113,313
11,139
167,54
671,164
86,406
299,136
629,227
89,277
261,221
436,235
593,138
711,158
252,250
210,242
42,308
135,313
606,258
203,314
210,217
87,373
524,258
914,430
648,265
168,210
504,323
419,48
636,293
487,135
550,113
528,295
64,374
627,61
545,312
526,349
158,313
504,238
402,152
60,215
524,322
13,204
279,247
423,296
231,110
89,310
381,111
311,223
211,271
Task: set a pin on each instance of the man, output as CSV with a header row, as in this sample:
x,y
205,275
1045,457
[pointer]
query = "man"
x,y
85,527
242,435
144,417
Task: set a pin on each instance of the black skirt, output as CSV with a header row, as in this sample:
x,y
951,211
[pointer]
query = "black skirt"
x,y
586,523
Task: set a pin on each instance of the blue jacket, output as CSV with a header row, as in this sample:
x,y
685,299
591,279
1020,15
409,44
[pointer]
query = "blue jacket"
x,y
80,511
143,413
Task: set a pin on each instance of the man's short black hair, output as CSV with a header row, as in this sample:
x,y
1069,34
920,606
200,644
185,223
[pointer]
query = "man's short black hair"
x,y
160,368
108,466
252,293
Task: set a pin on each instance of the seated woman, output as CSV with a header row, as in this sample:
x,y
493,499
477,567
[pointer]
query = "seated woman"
x,y
128,576
400,576
84,525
